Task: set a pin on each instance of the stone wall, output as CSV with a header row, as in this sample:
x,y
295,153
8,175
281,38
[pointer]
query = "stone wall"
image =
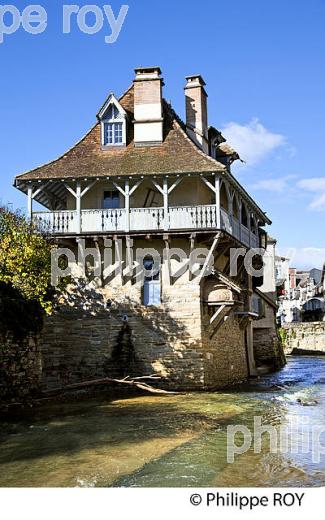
x,y
224,352
20,368
175,340
305,338
268,349
77,347
108,332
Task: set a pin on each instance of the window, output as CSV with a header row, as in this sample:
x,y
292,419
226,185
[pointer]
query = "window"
x,y
113,121
113,133
111,200
151,287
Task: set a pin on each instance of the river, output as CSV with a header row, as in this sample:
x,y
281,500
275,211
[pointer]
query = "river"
x,y
173,441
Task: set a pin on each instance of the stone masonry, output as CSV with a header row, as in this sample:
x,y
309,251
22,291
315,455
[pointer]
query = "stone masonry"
x,y
305,338
20,368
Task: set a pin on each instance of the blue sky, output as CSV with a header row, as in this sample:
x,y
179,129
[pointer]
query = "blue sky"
x,y
264,66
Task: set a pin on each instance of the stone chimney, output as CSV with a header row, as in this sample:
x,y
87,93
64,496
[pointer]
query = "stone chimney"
x,y
196,111
148,110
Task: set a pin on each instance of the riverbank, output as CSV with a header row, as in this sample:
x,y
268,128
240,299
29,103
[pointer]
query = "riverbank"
x,y
304,338
150,441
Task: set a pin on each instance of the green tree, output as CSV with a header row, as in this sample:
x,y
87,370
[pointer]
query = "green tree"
x,y
25,258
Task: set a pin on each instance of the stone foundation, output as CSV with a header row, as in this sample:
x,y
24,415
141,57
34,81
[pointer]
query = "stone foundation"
x,y
20,368
108,332
78,347
224,352
305,338
268,350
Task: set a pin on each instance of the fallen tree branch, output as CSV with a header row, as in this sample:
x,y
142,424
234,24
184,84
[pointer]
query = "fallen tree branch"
x,y
138,382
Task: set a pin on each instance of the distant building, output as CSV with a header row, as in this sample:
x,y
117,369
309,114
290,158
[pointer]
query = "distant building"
x,y
302,296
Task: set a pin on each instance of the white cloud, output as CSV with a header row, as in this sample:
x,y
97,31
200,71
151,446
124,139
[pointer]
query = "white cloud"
x,y
305,257
315,185
252,141
277,185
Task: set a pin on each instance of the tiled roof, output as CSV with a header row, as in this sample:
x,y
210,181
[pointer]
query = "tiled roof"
x,y
177,154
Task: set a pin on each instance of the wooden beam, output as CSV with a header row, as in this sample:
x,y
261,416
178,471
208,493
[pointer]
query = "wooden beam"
x,y
30,201
169,267
222,252
129,259
135,187
208,184
192,246
208,258
127,205
119,188
78,206
165,195
228,282
219,317
217,313
159,188
173,186
74,193
91,185
217,193
40,189
118,256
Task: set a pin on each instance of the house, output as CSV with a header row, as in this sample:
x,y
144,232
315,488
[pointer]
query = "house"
x,y
302,297
144,180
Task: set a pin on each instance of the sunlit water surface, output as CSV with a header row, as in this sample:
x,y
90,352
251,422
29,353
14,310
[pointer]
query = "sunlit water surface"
x,y
180,441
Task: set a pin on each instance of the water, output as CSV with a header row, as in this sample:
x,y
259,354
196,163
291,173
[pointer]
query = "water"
x,y
180,441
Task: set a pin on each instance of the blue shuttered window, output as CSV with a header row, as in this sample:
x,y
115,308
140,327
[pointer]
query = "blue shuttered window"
x,y
152,287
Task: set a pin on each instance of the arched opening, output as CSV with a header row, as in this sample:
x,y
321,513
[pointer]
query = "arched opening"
x,y
253,225
235,208
224,203
244,216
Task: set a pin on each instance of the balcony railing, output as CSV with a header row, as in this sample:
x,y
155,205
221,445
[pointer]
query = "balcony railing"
x,y
143,219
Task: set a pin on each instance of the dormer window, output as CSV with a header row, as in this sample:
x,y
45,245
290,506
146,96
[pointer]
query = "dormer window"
x,y
113,123
113,133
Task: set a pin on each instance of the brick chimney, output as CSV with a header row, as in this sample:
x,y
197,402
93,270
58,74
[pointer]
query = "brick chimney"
x,y
196,111
148,111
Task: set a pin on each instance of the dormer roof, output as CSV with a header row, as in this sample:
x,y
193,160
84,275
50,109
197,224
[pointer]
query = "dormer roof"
x,y
111,100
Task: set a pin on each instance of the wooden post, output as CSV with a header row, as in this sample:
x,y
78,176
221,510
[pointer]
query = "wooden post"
x,y
118,259
165,195
209,257
167,258
127,204
129,256
30,202
240,208
249,221
217,197
249,329
231,212
192,246
78,207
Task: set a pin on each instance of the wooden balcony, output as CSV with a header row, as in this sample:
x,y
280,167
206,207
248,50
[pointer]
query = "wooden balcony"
x,y
98,221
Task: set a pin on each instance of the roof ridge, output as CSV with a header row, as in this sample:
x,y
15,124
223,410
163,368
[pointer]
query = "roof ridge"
x,y
126,92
